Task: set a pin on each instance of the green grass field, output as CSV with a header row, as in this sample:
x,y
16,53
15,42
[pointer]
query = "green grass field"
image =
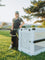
x,y
6,54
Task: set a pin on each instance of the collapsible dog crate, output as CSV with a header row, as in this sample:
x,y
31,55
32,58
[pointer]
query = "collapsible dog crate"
x,y
31,40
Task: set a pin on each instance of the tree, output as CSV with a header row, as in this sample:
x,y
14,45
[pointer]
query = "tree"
x,y
4,23
37,9
1,3
43,24
26,17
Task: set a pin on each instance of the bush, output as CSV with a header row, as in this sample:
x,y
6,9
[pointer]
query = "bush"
x,y
32,26
43,24
40,26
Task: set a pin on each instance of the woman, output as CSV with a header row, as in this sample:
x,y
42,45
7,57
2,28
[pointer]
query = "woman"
x,y
14,30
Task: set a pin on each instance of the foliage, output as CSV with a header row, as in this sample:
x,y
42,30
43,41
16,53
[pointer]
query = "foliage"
x,y
43,24
40,26
3,24
40,21
1,3
32,26
37,9
34,8
27,17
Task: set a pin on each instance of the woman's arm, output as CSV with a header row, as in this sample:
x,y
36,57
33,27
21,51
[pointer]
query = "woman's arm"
x,y
21,25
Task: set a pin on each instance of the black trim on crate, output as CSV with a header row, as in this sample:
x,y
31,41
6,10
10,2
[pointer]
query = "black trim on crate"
x,y
39,40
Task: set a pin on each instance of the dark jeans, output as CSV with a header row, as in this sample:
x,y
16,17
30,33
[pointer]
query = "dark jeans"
x,y
15,42
14,39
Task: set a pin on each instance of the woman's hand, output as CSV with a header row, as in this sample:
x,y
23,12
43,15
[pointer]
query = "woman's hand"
x,y
20,26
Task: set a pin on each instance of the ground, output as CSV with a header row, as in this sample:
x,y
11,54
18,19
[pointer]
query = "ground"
x,y
6,54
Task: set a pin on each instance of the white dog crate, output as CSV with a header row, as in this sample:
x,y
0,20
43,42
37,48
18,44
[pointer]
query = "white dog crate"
x,y
31,40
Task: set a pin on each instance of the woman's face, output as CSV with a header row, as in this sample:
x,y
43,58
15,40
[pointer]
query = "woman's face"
x,y
16,15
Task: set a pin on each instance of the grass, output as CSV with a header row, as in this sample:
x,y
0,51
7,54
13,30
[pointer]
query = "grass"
x,y
6,54
5,33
